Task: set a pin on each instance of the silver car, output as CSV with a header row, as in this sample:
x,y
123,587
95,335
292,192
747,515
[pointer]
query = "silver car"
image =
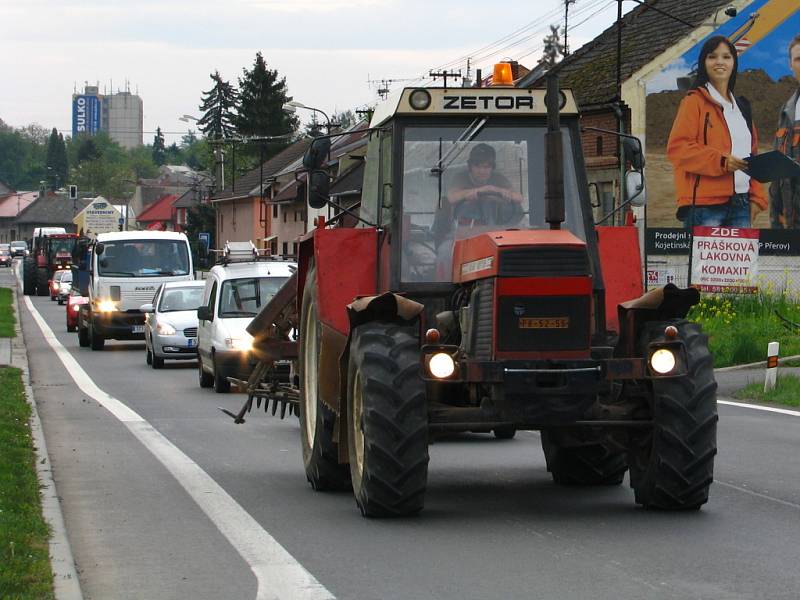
x,y
170,327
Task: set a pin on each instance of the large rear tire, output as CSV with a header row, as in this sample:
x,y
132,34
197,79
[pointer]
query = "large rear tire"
x,y
42,289
580,457
317,421
28,276
672,466
96,341
387,420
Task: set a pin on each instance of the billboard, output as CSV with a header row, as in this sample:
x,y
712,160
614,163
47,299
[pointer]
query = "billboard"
x,y
761,33
98,217
85,115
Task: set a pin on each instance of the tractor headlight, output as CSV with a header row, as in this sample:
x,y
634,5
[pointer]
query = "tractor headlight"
x,y
441,365
106,306
662,361
165,329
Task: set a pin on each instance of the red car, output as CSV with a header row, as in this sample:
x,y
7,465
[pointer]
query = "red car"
x,y
73,306
55,283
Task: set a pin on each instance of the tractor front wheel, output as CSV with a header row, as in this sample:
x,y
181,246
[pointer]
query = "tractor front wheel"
x,y
29,276
317,421
387,420
672,466
42,289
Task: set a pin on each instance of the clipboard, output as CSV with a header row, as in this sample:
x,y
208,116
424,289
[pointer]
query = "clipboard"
x,y
771,166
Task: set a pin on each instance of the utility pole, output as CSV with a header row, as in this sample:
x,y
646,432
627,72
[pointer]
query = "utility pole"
x,y
566,24
444,75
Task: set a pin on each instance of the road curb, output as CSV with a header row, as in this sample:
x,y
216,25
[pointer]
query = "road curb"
x,y
755,365
65,577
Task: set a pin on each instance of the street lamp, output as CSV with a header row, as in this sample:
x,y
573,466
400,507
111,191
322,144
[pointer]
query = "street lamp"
x,y
292,106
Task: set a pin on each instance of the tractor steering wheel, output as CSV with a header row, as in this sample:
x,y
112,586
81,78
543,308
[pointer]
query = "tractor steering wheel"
x,y
490,209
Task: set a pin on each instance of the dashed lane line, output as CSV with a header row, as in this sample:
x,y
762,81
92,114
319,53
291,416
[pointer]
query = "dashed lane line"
x,y
279,574
782,411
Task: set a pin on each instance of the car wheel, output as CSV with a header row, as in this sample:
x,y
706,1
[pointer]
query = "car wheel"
x,y
149,357
206,380
221,384
158,362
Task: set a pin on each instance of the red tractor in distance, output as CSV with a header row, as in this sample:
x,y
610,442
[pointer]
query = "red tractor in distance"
x,y
476,293
50,252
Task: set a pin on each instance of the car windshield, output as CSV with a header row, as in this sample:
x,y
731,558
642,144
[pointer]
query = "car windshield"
x,y
19,245
245,297
60,275
4,253
66,277
62,246
176,299
144,258
490,181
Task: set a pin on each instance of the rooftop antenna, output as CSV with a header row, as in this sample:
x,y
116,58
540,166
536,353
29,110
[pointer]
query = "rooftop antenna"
x,y
383,85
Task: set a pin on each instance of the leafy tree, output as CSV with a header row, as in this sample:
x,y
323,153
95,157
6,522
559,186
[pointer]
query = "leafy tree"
x,y
553,48
314,127
261,98
201,218
345,119
22,159
219,107
56,161
87,149
159,148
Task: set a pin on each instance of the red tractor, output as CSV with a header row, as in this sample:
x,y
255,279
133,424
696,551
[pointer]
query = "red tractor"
x,y
476,293
50,252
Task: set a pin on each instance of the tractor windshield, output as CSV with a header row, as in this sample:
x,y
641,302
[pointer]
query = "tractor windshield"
x,y
493,181
61,248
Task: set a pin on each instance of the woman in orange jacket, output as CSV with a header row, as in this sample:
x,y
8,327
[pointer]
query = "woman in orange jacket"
x,y
712,134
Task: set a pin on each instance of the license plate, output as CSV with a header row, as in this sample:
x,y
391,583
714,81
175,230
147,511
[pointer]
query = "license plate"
x,y
137,328
544,323
191,342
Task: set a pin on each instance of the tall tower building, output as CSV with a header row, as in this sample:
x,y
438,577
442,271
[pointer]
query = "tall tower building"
x,y
121,115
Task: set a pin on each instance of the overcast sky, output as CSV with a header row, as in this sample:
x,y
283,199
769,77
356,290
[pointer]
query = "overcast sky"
x,y
326,49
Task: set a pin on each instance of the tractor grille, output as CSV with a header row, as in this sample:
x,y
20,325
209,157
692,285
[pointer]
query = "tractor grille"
x,y
483,320
190,332
540,323
552,261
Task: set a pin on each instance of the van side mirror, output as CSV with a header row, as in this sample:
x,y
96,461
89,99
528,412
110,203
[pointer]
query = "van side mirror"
x,y
146,308
204,314
319,188
99,248
317,153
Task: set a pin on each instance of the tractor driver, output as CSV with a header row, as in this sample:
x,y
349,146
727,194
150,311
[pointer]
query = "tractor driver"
x,y
474,193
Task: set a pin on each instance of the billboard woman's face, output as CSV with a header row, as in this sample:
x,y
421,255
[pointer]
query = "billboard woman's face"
x,y
794,61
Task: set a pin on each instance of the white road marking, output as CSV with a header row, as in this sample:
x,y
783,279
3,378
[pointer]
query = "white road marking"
x,y
757,494
279,575
782,411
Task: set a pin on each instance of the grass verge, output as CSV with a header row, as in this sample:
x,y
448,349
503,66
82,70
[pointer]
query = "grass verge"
x,y
787,391
24,535
740,327
7,319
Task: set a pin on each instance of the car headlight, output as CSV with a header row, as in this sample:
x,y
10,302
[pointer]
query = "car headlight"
x,y
662,361
76,307
165,329
242,344
55,285
106,306
441,365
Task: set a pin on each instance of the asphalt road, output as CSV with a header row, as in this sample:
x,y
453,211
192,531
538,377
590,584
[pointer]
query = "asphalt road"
x,y
494,524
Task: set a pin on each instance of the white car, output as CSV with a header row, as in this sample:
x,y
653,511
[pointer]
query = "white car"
x,y
234,293
170,325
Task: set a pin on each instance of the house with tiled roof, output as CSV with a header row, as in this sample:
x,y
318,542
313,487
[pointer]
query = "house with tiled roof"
x,y
159,216
51,209
650,42
242,211
11,205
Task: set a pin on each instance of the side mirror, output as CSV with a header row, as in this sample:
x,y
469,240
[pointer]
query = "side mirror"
x,y
317,153
634,184
146,308
318,189
204,314
633,152
99,248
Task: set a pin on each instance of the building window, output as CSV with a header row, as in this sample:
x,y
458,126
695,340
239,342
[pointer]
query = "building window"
x,y
285,248
274,211
599,145
284,215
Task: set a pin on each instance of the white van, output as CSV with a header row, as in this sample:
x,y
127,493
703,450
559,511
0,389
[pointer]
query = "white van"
x,y
235,292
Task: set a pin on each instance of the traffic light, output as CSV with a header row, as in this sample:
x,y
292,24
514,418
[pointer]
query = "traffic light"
x,y
73,192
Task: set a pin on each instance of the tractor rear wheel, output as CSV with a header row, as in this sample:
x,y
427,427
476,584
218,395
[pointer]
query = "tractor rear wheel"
x,y
672,466
29,276
580,457
320,452
387,420
42,289
96,341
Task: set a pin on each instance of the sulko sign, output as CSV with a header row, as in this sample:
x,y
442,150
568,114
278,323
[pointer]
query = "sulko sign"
x,y
725,259
85,115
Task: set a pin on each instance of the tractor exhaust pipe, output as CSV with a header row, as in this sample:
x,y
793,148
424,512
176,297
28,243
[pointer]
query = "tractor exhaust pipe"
x,y
554,157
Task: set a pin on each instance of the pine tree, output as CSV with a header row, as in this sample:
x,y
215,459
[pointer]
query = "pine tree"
x,y
218,106
159,148
553,48
261,98
56,160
